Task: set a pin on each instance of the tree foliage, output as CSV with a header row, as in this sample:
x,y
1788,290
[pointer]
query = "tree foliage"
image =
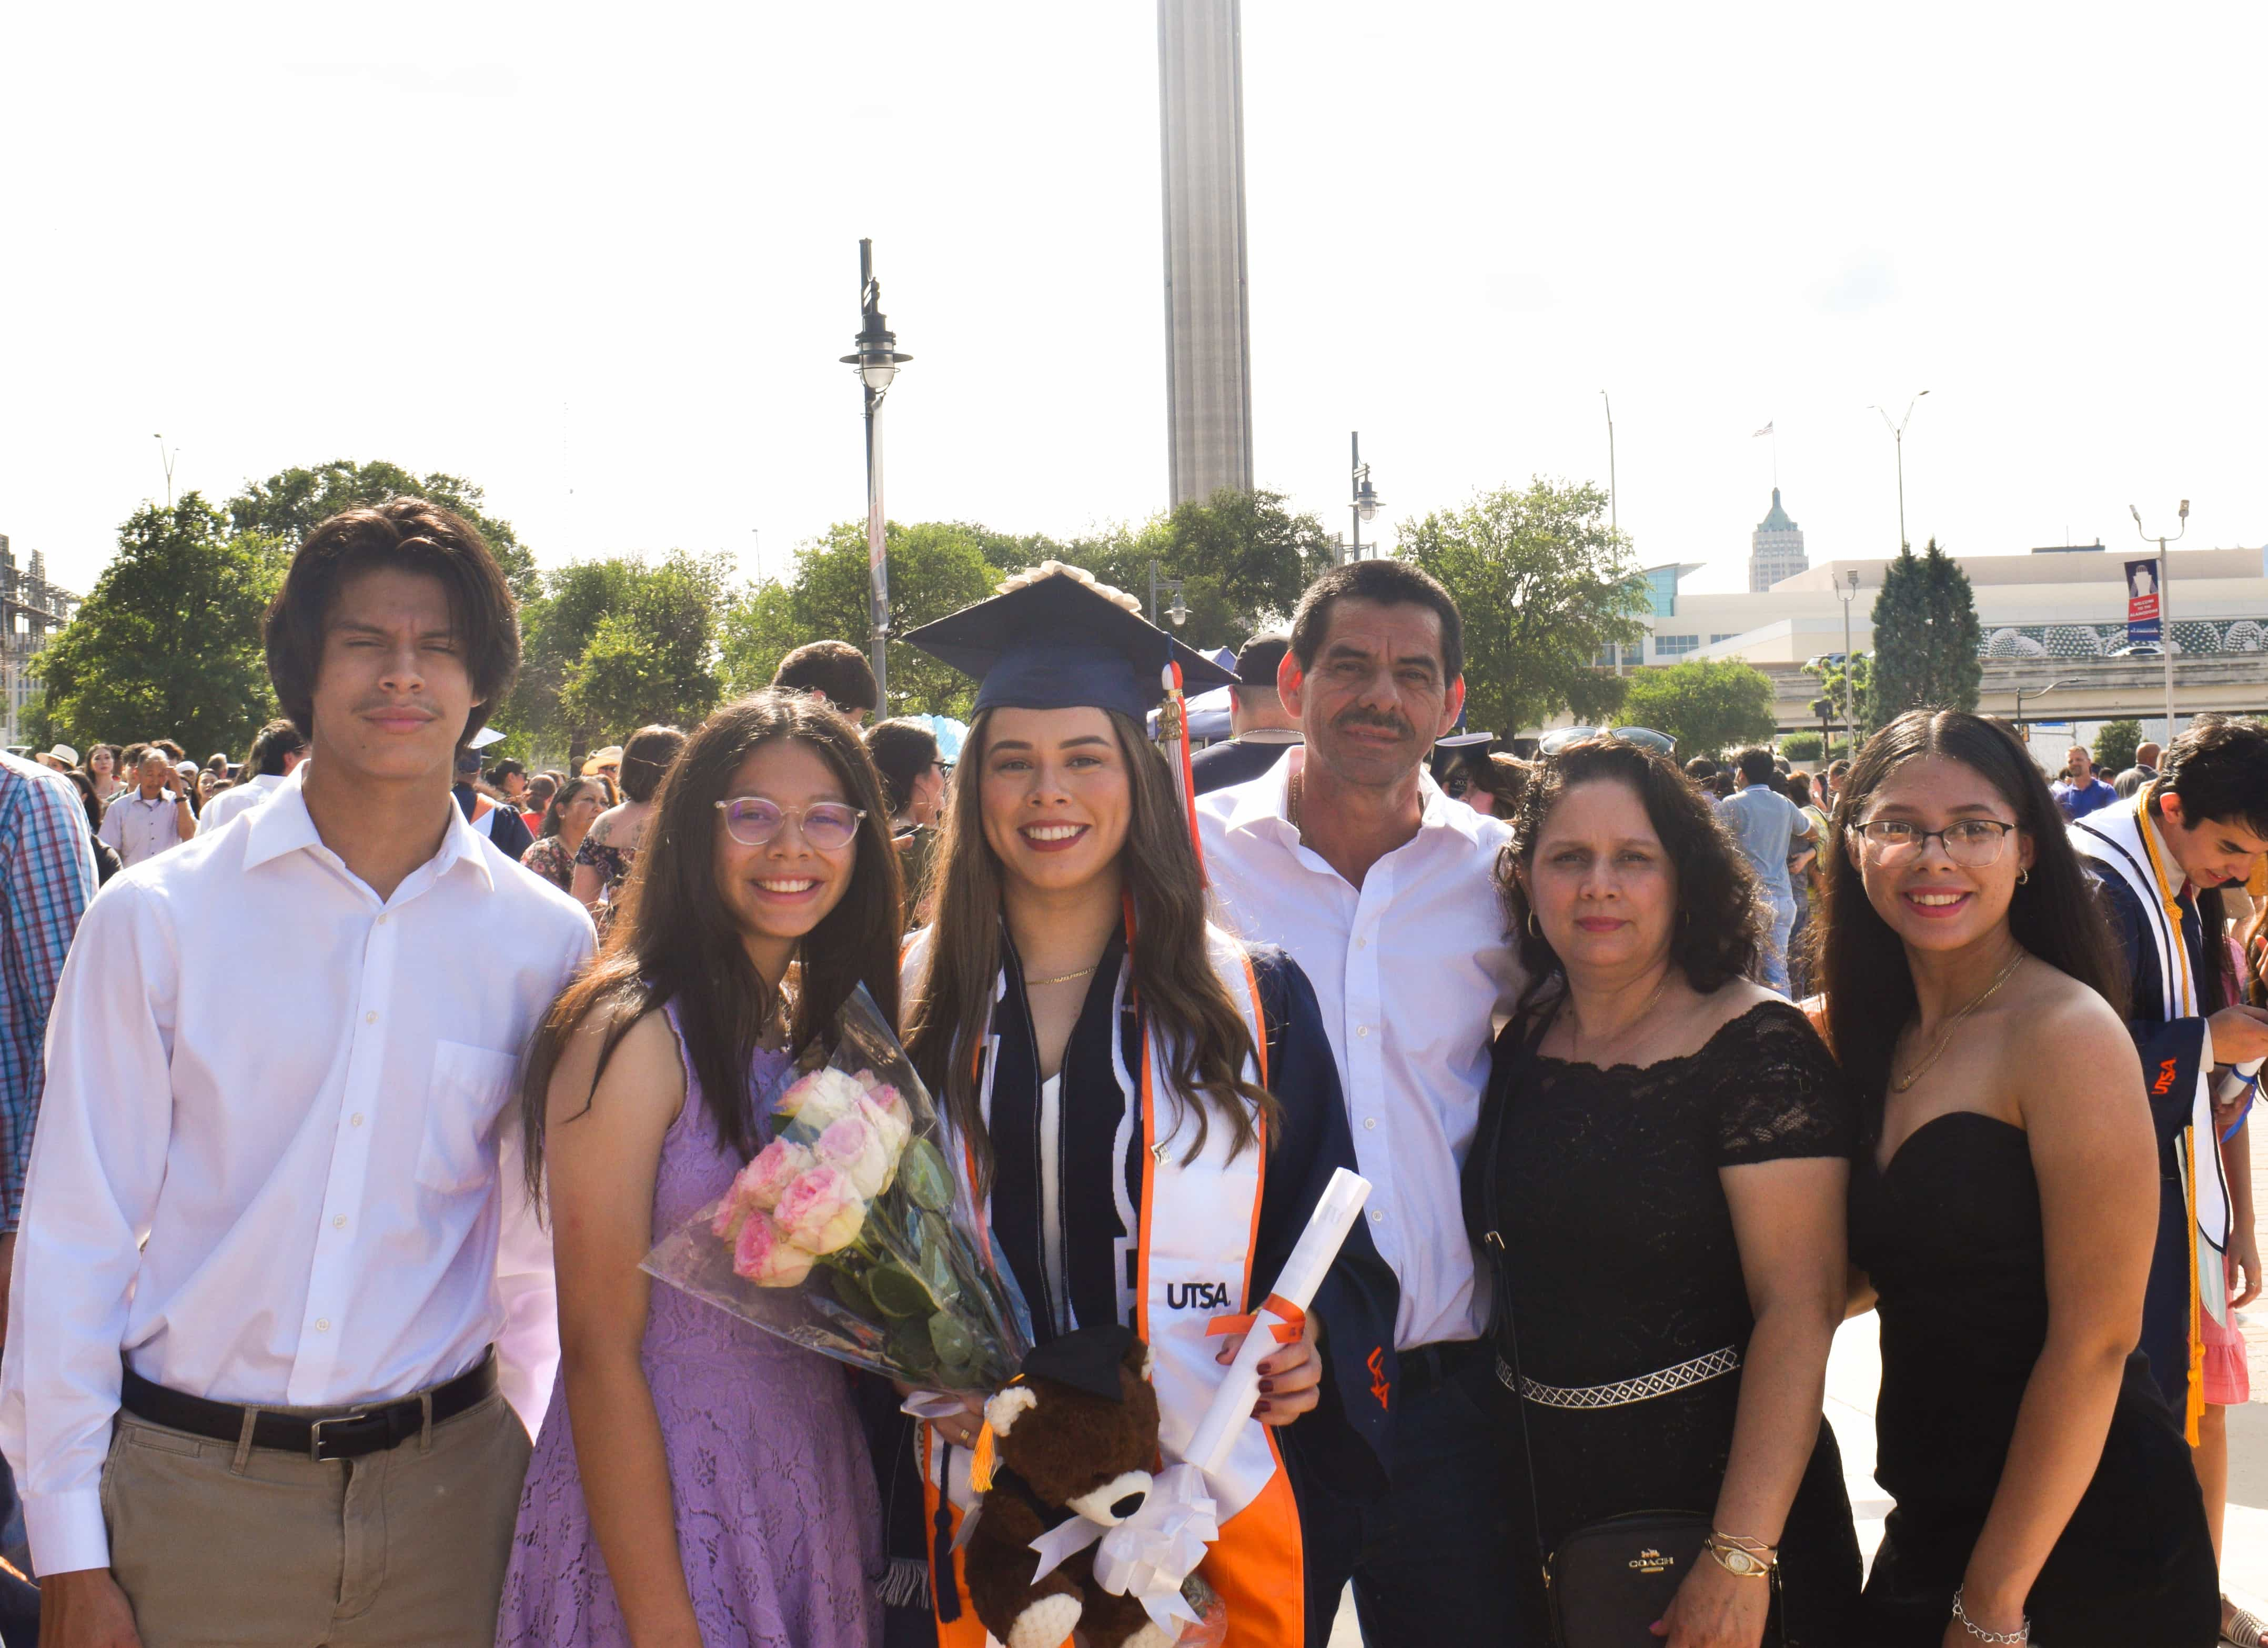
x,y
936,568
613,644
167,644
286,505
1708,705
2115,746
1926,638
1861,670
1544,586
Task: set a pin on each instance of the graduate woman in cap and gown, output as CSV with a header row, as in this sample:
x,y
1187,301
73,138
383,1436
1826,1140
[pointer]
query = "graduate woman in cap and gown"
x,y
1147,1111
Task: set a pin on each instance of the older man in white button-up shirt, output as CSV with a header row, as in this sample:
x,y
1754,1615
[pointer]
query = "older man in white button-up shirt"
x,y
1349,856
278,1271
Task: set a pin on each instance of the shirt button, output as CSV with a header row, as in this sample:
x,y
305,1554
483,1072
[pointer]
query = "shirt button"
x,y
322,1323
1378,1218
382,919
1362,943
1369,1122
355,1120
339,1222
1361,1031
370,1018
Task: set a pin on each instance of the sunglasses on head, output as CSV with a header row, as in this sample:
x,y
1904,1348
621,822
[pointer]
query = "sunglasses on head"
x,y
1552,742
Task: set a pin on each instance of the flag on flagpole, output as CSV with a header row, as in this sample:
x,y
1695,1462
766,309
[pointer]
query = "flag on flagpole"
x,y
1761,433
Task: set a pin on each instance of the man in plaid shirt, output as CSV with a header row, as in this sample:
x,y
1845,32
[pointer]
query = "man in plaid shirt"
x,y
47,876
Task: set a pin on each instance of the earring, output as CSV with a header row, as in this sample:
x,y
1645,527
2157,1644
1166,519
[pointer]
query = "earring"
x,y
1532,929
2023,876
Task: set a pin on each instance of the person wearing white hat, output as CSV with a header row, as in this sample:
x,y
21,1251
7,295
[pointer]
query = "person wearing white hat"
x,y
62,757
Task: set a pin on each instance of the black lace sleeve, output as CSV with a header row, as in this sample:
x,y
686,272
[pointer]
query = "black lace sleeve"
x,y
1778,1092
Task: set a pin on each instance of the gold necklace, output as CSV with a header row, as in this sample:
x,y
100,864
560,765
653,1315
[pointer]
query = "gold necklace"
x,y
1292,803
1034,984
1575,1025
1945,1039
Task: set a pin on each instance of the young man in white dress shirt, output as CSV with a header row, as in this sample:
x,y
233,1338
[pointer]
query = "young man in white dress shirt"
x,y
1349,856
284,1276
276,754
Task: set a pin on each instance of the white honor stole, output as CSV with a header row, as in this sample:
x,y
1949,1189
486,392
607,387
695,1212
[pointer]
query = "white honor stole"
x,y
1194,1234
2117,842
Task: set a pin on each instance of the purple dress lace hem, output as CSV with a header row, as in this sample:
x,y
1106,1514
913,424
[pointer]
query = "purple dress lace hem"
x,y
778,1521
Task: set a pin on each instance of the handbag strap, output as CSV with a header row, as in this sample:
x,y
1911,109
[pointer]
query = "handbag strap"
x,y
1490,1137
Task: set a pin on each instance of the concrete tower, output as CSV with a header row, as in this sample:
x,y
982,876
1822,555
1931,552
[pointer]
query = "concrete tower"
x,y
1208,327
1777,550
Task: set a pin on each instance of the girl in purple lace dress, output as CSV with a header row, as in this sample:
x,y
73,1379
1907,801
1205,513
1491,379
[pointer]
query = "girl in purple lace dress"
x,y
699,1483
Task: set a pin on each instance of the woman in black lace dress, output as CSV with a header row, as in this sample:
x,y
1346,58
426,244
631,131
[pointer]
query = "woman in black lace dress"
x,y
2003,1204
1663,1158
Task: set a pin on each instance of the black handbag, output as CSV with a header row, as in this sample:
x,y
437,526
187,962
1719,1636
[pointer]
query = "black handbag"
x,y
1608,1581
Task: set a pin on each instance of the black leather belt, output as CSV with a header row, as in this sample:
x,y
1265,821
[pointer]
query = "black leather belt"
x,y
347,1436
1426,1366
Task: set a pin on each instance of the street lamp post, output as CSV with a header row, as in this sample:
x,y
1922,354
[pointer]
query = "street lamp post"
x,y
877,360
2036,692
1614,515
166,458
1846,590
1178,612
1898,433
2165,603
1364,501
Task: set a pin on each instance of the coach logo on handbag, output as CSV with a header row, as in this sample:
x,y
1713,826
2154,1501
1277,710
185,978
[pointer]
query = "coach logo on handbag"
x,y
1652,1561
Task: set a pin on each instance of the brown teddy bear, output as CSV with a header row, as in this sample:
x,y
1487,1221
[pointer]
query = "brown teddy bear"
x,y
1075,1434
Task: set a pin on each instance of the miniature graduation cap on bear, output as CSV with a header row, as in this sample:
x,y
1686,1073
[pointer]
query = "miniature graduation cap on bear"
x,y
1053,639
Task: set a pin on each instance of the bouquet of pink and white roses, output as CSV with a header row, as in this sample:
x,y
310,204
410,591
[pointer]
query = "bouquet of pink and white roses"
x,y
849,1234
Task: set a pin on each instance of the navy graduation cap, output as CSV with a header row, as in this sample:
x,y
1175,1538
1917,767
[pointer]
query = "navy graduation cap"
x,y
1053,639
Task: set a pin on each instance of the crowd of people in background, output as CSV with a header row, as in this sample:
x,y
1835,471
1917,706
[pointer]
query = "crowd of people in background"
x,y
333,1136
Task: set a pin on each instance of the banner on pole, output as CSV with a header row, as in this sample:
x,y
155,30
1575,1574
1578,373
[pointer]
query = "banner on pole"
x,y
2142,602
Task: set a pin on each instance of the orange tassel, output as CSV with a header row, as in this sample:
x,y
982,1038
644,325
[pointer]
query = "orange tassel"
x,y
981,1459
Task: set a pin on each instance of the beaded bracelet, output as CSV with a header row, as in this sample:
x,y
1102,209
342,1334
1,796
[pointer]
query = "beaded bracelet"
x,y
2015,1639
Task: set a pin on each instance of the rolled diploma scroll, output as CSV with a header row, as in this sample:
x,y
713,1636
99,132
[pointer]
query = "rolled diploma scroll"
x,y
2239,1077
1336,1212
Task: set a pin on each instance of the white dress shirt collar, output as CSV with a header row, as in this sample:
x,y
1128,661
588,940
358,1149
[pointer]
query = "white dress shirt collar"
x,y
1263,807
283,824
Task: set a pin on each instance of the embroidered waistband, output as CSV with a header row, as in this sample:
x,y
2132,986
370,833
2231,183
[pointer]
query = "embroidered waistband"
x,y
1647,1387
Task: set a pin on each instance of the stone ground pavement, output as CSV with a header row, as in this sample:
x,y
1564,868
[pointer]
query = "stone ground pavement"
x,y
1854,1373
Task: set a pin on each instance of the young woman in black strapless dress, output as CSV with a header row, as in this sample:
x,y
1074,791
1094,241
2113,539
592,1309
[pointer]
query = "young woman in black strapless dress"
x,y
2003,1201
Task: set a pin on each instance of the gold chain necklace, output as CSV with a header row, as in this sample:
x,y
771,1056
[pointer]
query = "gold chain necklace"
x,y
1945,1039
1034,984
1292,803
1575,1023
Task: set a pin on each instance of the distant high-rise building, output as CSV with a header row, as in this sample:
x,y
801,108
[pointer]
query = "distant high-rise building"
x,y
1777,550
31,610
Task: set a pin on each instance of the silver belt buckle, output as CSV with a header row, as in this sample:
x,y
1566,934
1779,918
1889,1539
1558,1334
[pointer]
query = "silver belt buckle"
x,y
315,1433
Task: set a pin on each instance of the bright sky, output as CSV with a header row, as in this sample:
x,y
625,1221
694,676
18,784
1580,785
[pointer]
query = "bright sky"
x,y
603,261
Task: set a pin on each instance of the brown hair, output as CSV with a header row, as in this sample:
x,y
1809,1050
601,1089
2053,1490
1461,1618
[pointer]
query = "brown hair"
x,y
1718,933
1189,1010
836,670
674,942
417,537
646,755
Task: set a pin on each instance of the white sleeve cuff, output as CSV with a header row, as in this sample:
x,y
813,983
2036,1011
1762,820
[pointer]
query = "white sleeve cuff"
x,y
67,1530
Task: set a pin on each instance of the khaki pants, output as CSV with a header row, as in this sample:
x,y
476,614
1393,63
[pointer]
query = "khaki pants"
x,y
220,1545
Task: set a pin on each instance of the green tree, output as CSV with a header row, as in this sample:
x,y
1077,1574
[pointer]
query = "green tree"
x,y
555,629
1708,705
286,505
1243,557
2115,746
1546,586
1801,746
1926,638
1861,670
167,642
651,658
936,568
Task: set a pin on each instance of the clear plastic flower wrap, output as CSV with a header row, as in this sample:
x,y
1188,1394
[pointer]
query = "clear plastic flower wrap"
x,y
849,1234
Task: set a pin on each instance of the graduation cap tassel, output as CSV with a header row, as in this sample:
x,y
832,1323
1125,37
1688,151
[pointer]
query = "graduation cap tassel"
x,y
1173,730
